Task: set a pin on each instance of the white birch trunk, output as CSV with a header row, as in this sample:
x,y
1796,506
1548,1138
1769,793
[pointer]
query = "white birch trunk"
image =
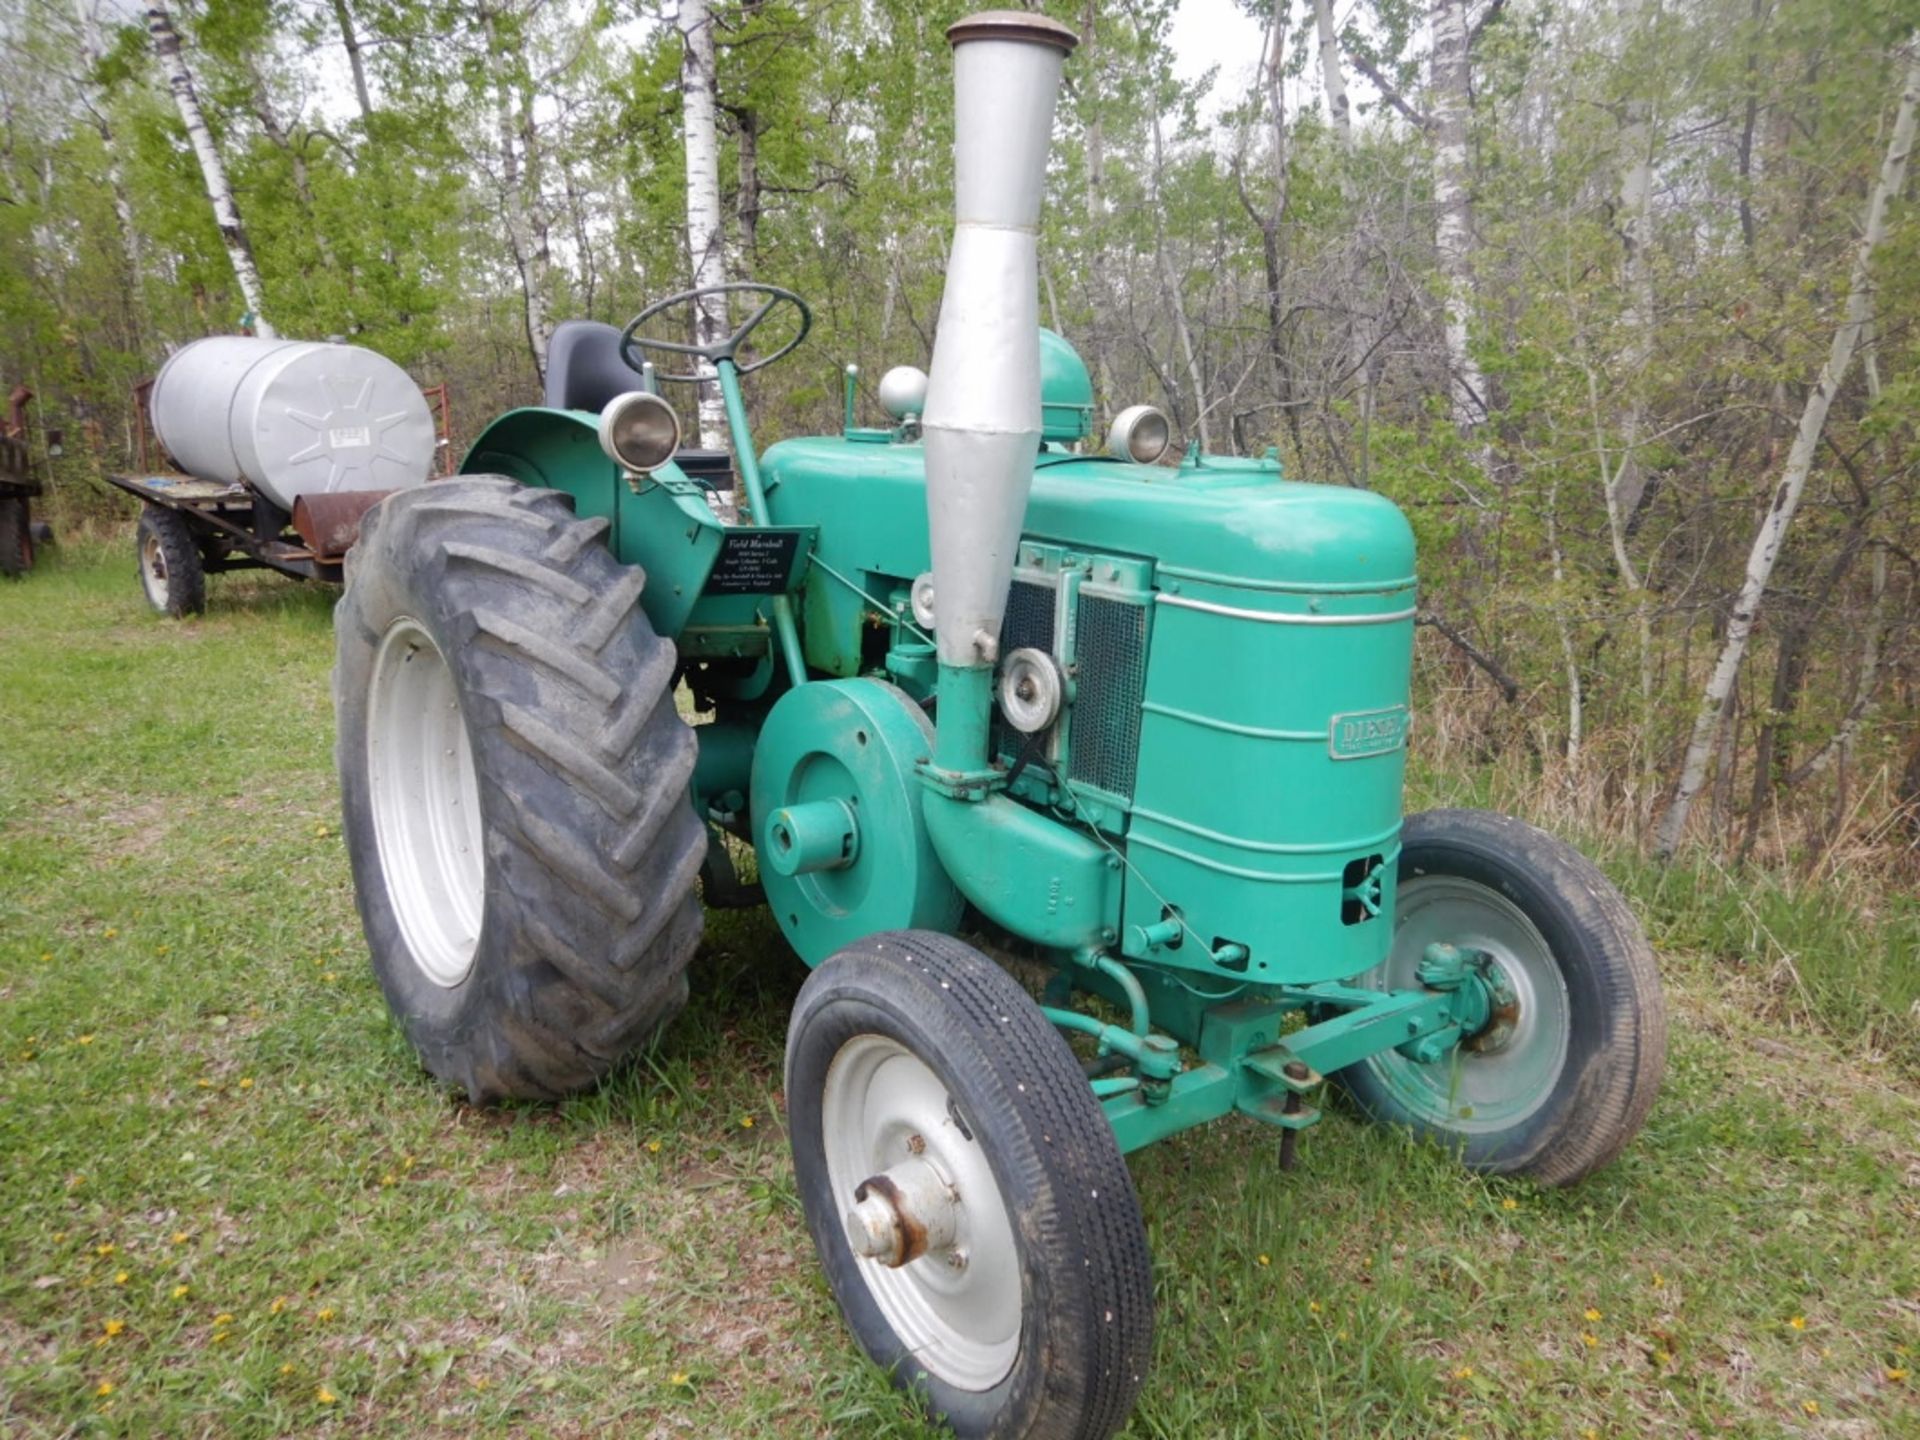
x,y
356,62
1332,78
526,230
1453,230
706,240
91,52
1786,499
226,213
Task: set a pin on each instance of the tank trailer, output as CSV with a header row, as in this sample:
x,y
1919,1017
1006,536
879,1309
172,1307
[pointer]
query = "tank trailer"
x,y
1146,722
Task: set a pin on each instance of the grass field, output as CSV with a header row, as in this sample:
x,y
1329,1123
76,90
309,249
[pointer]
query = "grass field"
x,y
231,1204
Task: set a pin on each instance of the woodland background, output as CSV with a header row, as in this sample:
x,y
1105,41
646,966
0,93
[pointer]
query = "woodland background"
x,y
1616,298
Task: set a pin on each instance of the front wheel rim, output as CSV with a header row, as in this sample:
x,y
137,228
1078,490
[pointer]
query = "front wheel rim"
x,y
1477,1092
426,803
881,1104
153,570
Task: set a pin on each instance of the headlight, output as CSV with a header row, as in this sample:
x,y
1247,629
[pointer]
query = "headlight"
x,y
639,431
1139,433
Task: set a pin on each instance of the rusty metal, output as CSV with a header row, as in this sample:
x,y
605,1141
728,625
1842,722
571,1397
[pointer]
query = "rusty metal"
x,y
907,1233
141,393
1290,1139
330,523
17,404
439,400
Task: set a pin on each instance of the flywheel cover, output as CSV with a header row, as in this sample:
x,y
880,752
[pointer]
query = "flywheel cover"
x,y
857,741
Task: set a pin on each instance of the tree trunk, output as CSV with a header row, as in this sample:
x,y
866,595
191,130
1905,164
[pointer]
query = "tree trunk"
x,y
1332,77
278,135
1636,236
356,61
91,53
226,213
1450,83
706,241
1773,527
526,228
1176,298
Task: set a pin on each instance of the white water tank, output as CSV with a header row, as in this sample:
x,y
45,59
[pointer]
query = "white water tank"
x,y
292,417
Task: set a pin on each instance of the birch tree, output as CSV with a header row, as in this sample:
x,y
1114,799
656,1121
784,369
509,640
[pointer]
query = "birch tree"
x,y
1450,85
226,212
1772,533
1332,77
706,241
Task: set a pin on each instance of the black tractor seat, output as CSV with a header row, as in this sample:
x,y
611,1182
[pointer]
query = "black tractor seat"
x,y
585,371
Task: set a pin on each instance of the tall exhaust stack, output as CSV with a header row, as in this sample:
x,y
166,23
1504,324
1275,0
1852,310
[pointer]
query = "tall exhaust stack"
x,y
982,421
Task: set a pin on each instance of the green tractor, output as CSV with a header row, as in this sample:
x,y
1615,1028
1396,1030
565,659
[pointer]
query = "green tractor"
x,y
1145,722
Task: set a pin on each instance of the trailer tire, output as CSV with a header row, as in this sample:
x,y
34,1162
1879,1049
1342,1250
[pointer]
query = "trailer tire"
x,y
911,1048
1567,1085
516,807
16,537
171,574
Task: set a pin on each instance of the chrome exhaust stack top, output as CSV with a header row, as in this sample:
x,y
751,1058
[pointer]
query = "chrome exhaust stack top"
x,y
982,421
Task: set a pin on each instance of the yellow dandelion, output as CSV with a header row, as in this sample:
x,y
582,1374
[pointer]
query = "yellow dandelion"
x,y
653,1147
1589,1434
1339,1334
1465,1372
1266,1260
162,949
746,1122
1658,1279
112,934
204,1083
1313,1307
179,1237
46,956
120,1277
325,1312
331,976
1812,1407
1895,1374
1593,1315
1798,1322
59,1237
325,1396
388,1181
104,1388
406,1162
481,1382
223,1318
104,1249
1366,1262
114,1327
246,1082
1590,1341
180,1292
286,1367
279,1304
1509,1203
680,1377
1662,1357
220,1335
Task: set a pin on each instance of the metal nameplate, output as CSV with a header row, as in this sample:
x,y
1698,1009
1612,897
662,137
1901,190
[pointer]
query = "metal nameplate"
x,y
1361,733
756,560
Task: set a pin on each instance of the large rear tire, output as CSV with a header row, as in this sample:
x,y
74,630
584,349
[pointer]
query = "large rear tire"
x,y
1559,1085
514,779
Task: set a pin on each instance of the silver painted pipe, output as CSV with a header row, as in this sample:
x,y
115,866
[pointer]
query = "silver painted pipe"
x,y
982,421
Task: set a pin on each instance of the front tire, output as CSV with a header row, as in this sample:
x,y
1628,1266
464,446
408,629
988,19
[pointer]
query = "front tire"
x,y
171,574
514,779
1561,1087
918,1067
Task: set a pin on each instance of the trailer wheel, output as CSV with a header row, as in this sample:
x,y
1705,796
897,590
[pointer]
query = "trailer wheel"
x,y
514,779
170,568
1556,1089
965,1192
16,537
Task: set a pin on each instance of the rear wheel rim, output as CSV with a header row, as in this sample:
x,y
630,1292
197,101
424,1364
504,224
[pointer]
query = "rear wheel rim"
x,y
1474,1092
961,1324
153,569
426,803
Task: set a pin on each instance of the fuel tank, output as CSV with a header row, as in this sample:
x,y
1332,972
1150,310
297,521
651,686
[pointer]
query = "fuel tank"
x,y
1238,648
292,417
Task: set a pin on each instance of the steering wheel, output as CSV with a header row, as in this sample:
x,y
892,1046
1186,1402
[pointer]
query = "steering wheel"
x,y
632,343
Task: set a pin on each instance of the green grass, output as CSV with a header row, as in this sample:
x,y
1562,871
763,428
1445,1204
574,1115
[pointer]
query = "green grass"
x,y
197,1071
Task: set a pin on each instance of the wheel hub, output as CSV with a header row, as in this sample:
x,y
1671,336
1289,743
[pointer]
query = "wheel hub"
x,y
426,803
925,1215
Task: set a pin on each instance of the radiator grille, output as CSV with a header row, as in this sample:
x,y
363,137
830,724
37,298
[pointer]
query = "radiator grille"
x,y
1029,619
1110,647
